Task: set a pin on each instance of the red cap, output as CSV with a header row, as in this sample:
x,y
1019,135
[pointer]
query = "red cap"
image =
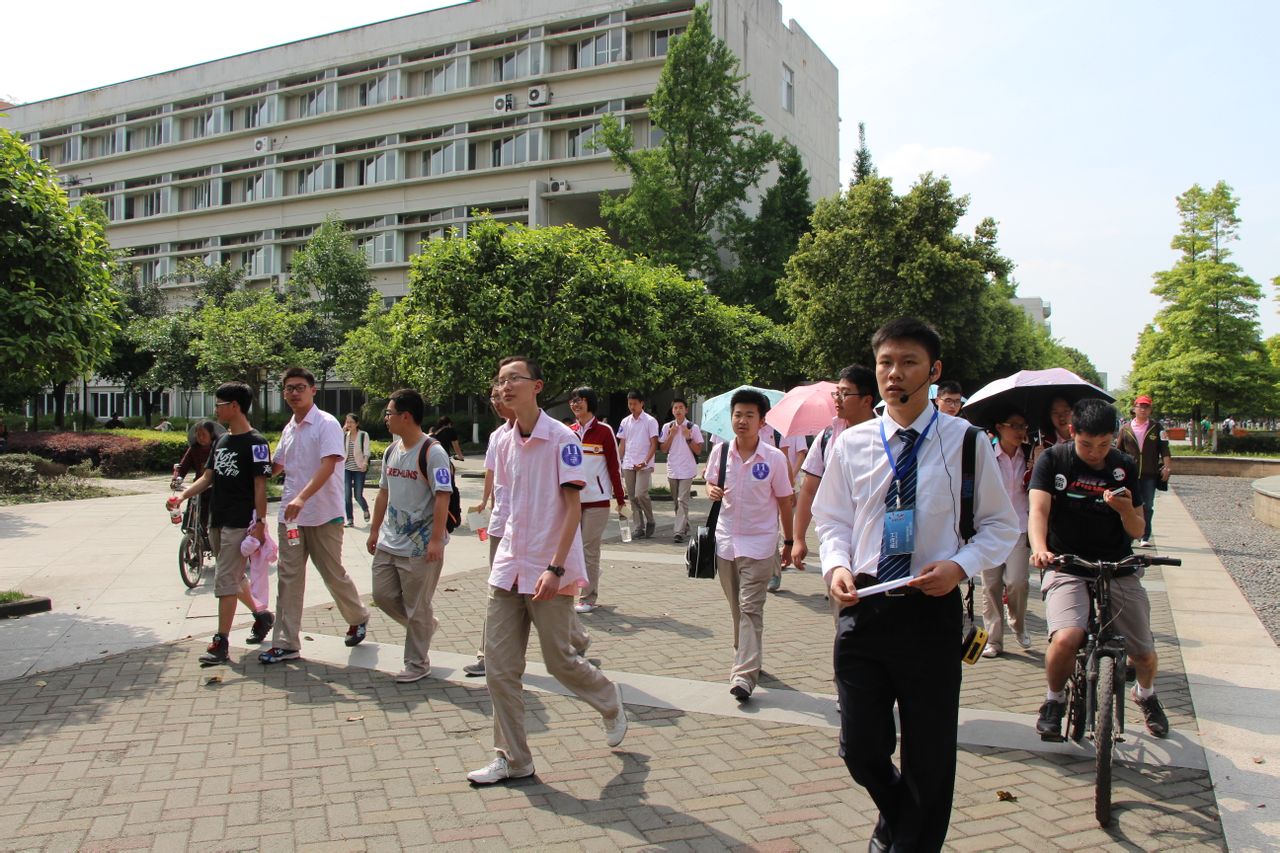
x,y
1142,399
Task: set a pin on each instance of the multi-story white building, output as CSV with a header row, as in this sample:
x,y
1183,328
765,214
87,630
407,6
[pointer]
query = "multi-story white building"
x,y
406,128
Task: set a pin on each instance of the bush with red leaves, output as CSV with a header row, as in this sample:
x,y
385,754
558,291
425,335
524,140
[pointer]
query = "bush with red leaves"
x,y
115,455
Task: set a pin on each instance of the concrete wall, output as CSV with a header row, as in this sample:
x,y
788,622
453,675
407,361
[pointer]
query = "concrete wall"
x,y
1226,466
1266,500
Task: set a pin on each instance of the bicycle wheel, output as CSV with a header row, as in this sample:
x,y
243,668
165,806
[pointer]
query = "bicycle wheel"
x,y
1104,739
1075,705
190,560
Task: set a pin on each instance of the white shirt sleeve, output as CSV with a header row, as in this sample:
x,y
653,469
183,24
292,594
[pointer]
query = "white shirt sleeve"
x,y
834,511
994,521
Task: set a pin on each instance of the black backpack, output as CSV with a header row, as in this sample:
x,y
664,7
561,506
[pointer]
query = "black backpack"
x,y
455,499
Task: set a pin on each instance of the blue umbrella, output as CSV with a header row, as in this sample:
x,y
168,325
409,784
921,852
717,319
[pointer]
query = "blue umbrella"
x,y
717,417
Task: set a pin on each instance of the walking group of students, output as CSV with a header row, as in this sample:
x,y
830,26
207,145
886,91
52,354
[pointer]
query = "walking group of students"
x,y
883,494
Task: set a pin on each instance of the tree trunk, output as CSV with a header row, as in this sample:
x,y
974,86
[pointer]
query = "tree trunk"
x,y
59,404
148,406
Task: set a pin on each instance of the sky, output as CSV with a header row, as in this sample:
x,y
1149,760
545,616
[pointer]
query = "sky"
x,y
1075,126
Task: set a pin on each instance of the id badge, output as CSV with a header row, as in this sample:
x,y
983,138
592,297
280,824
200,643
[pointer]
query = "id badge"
x,y
899,532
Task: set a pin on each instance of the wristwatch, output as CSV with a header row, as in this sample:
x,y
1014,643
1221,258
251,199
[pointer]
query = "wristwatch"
x,y
788,541
558,571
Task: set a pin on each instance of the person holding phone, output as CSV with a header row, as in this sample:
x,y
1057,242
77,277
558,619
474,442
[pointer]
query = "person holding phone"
x,y
1081,504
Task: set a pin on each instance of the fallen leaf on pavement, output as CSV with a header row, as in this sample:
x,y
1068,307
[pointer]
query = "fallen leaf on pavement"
x,y
213,679
309,638
1006,797
355,718
42,684
450,589
1258,759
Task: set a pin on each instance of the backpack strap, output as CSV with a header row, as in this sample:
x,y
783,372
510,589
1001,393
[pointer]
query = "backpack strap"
x,y
968,466
822,445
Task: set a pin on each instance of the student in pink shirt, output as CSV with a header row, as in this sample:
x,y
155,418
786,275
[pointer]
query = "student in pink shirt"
x,y
682,441
536,571
495,502
756,494
638,445
1010,581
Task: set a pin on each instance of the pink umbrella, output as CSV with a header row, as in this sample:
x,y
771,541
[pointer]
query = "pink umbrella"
x,y
804,410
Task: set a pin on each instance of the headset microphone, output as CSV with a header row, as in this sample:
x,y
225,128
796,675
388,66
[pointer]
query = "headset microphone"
x,y
903,398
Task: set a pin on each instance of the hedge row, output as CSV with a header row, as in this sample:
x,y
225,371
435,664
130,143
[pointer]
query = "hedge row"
x,y
113,455
1249,443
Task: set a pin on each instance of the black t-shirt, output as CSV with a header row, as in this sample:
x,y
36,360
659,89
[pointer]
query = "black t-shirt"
x,y
1080,522
446,436
237,460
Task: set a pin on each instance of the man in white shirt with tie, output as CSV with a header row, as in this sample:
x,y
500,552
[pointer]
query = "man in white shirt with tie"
x,y
888,508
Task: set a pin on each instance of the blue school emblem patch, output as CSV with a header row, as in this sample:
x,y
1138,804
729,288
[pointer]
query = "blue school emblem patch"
x,y
760,470
572,455
261,453
442,476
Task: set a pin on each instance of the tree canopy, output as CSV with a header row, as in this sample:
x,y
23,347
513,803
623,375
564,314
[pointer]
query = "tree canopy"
x,y
586,310
1204,348
57,303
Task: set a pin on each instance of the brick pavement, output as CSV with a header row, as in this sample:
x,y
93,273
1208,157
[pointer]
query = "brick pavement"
x,y
139,751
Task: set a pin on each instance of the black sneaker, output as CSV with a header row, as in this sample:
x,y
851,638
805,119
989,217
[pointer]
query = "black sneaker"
x,y
640,534
355,634
648,529
262,624
474,670
1153,714
219,651
1050,723
678,538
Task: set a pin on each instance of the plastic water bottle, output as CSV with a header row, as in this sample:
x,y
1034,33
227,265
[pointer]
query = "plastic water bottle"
x,y
292,534
624,524
175,509
477,522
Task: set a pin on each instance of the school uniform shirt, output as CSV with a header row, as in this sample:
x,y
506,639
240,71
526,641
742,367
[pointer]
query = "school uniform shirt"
x,y
637,431
748,524
681,463
849,510
1015,475
599,463
533,469
816,462
303,445
501,508
411,496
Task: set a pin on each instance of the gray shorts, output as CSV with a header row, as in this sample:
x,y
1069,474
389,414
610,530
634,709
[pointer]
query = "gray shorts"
x,y
1066,605
230,564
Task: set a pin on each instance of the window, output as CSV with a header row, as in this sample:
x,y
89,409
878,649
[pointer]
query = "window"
x,y
308,180
378,248
311,103
444,159
580,141
196,197
143,204
518,63
373,91
598,50
362,172
248,116
511,150
788,90
441,79
145,136
660,41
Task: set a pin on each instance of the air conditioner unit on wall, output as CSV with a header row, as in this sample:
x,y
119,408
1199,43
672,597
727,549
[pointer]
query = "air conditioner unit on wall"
x,y
559,186
539,95
262,145
504,103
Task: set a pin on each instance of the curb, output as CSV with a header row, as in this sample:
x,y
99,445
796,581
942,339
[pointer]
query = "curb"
x,y
25,607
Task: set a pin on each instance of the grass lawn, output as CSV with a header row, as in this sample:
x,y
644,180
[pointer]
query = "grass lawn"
x,y
10,595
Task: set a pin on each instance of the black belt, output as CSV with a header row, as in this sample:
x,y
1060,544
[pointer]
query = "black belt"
x,y
864,580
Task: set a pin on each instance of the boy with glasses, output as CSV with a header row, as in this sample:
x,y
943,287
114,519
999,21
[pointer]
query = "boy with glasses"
x,y
536,571
1010,582
682,441
638,445
310,451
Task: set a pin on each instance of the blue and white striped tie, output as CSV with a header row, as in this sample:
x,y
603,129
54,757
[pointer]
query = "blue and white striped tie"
x,y
894,566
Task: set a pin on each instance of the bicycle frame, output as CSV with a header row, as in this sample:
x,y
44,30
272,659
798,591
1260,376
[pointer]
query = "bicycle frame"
x,y
1101,642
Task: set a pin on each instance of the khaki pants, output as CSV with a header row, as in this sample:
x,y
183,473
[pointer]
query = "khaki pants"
x,y
231,567
506,641
403,588
323,544
494,542
1012,578
680,497
594,521
745,582
637,484
578,635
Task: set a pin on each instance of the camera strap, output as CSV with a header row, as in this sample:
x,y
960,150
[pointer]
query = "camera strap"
x,y
714,515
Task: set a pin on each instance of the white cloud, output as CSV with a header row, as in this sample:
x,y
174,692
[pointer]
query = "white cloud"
x,y
907,162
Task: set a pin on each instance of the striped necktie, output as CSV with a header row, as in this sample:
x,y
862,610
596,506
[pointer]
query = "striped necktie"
x,y
894,566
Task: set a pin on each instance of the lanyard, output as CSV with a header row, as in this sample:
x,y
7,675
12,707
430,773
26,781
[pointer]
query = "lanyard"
x,y
900,465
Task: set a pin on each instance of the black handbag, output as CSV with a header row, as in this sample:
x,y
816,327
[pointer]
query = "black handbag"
x,y
700,556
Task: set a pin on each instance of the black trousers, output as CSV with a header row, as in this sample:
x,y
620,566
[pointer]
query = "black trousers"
x,y
905,650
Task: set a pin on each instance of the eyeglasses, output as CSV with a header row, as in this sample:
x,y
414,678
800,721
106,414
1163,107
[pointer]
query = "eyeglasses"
x,y
390,413
1142,405
502,383
1016,427
294,389
839,396
222,403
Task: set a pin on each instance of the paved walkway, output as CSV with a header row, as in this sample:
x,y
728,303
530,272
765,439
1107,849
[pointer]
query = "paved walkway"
x,y
134,747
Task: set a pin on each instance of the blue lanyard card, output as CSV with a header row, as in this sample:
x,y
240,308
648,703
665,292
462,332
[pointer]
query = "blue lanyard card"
x,y
899,532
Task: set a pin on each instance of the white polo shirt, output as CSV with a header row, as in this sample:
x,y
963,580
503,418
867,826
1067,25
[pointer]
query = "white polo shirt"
x,y
748,524
498,516
681,464
303,444
637,430
533,469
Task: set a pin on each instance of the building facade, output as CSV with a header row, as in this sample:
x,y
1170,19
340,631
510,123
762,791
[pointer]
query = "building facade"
x,y
405,128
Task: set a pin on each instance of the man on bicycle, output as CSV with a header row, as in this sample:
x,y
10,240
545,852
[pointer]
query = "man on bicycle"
x,y
1081,504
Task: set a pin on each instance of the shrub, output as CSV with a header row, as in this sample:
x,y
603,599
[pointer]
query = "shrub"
x,y
1249,444
121,460
17,475
71,489
73,448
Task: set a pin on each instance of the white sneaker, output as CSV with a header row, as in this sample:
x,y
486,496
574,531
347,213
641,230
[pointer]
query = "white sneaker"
x,y
408,676
1024,639
496,771
616,729
990,651
1142,543
583,607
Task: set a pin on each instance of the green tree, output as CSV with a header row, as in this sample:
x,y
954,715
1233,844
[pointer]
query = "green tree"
x,y
331,279
567,296
57,304
769,240
872,255
863,167
1205,348
687,192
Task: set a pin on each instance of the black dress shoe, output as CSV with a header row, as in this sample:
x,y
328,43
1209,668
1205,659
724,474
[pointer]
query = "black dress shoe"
x,y
881,838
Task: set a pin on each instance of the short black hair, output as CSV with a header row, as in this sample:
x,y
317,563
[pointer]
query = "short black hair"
x,y
750,397
531,364
909,329
444,421
636,395
1094,417
209,427
1009,411
294,372
681,400
863,378
587,395
409,400
353,417
950,386
235,392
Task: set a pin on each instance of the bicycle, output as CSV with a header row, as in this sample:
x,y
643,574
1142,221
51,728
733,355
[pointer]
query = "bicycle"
x,y
195,546
1095,689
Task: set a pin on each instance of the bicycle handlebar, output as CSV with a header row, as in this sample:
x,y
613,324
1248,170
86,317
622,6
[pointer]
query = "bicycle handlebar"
x,y
1131,560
